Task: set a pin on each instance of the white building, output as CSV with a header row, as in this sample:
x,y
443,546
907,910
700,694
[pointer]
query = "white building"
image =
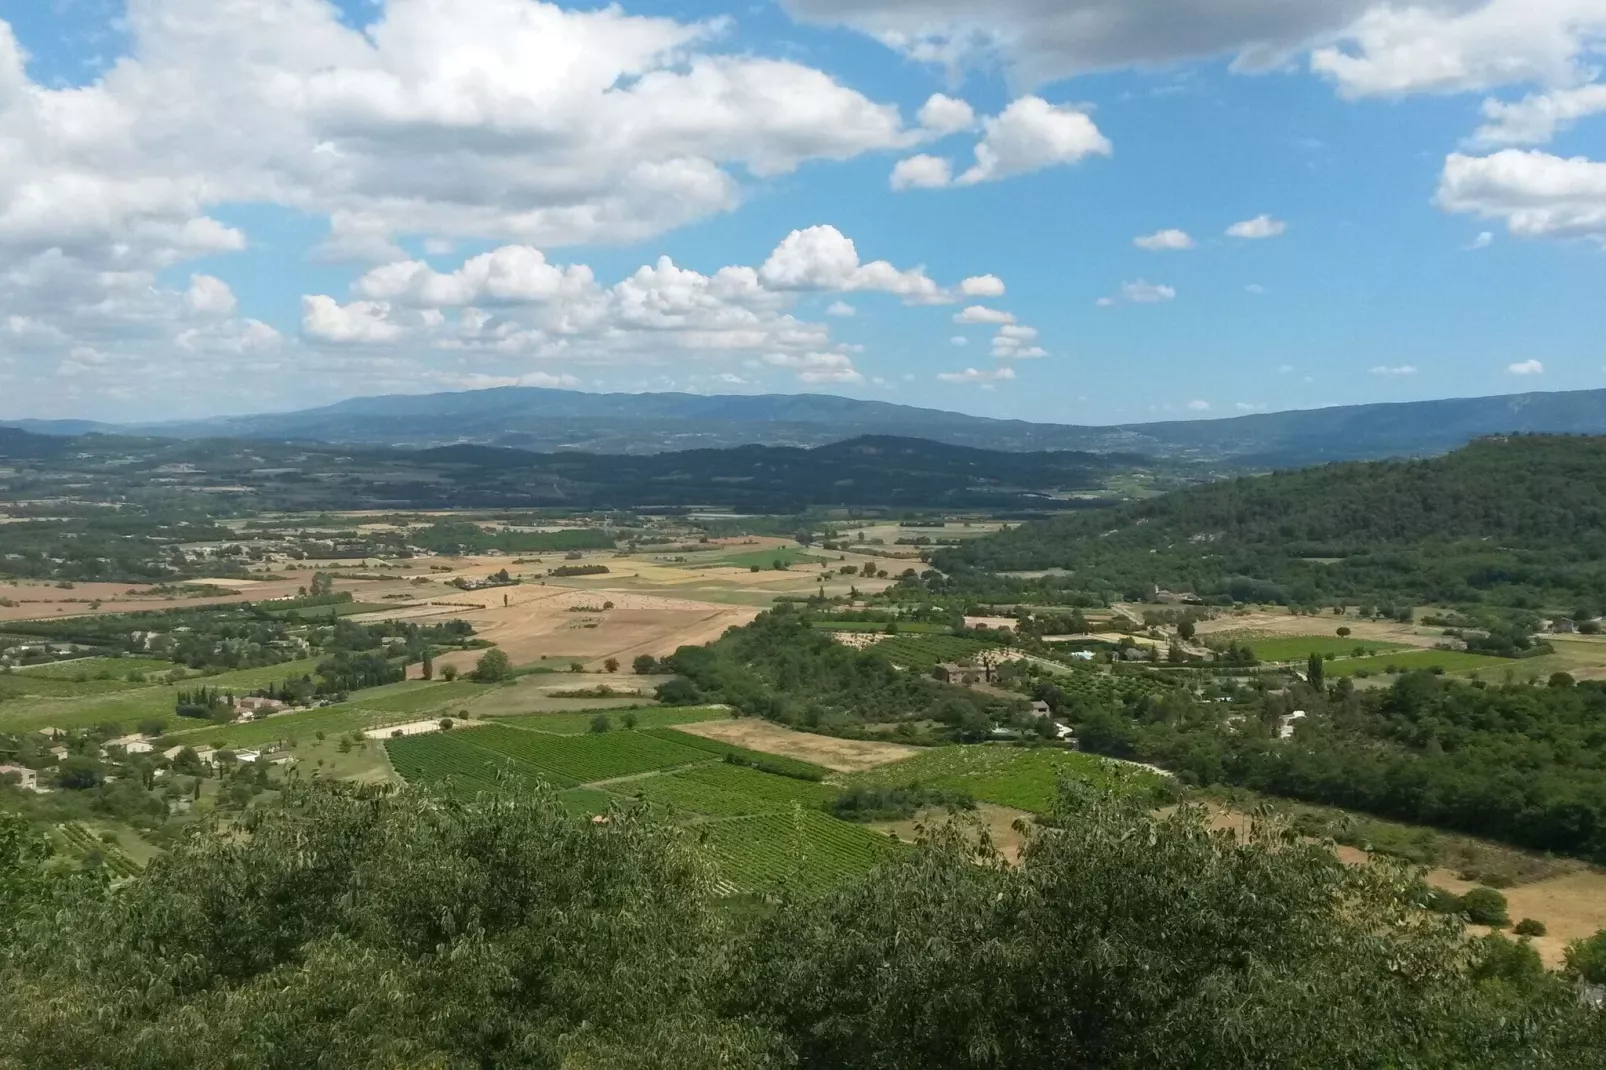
x,y
27,779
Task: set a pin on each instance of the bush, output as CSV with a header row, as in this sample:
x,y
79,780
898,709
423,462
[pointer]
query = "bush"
x,y
1529,927
1586,959
493,667
1485,906
600,723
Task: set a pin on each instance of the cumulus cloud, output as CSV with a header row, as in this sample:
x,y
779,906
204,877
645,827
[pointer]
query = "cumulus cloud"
x,y
1262,226
1537,118
975,375
1365,47
823,258
1141,292
1198,406
959,340
1164,240
840,308
1535,194
1032,134
1456,47
982,314
209,296
982,286
1394,371
921,172
817,367
945,115
1482,241
1526,367
511,122
1016,342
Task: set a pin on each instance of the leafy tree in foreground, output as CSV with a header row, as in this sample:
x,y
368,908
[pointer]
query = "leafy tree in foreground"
x,y
355,927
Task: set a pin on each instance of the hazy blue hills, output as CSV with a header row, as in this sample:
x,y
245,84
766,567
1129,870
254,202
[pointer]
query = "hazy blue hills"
x,y
534,418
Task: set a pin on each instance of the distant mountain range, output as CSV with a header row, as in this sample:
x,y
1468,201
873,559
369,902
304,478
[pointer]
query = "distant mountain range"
x,y
534,418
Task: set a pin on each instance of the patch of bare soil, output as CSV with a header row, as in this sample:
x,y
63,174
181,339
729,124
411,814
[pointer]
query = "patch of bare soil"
x,y
999,821
842,755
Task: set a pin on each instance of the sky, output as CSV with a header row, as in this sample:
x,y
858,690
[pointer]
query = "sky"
x,y
1077,211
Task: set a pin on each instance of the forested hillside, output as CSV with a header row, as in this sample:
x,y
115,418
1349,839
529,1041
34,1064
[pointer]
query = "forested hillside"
x,y
1514,520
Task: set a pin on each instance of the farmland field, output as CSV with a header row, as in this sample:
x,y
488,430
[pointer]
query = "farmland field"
x,y
795,767
300,725
588,758
89,667
1022,778
787,555
411,697
1105,686
1448,660
1300,647
904,627
804,849
921,652
573,724
449,755
720,789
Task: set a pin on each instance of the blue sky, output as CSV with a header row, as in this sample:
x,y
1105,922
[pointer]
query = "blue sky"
x,y
211,206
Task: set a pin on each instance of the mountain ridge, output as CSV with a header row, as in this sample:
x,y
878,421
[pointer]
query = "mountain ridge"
x,y
545,419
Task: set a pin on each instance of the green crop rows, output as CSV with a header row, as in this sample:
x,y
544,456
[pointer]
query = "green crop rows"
x,y
441,755
415,697
1018,777
725,790
922,652
573,724
802,849
588,758
1105,687
1448,660
82,843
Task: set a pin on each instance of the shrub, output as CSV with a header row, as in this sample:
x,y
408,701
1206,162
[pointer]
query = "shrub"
x,y
600,723
1485,906
1529,927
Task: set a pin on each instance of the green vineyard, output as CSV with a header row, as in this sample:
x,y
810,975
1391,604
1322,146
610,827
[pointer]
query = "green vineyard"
x,y
725,790
1106,687
88,849
801,849
574,724
443,756
921,653
1018,777
584,759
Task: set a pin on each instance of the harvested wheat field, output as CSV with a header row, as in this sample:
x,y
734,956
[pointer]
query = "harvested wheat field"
x,y
842,755
1276,624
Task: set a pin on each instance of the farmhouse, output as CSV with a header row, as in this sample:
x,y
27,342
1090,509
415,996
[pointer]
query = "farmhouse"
x,y
134,744
1285,724
1040,709
27,779
964,674
252,708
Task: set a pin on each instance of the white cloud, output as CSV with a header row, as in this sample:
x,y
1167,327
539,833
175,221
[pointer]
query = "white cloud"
x,y
209,296
511,274
1164,240
1248,406
1015,342
982,286
326,320
817,367
1262,226
1535,194
945,115
1456,47
1198,406
1526,367
1537,118
1141,292
840,308
973,375
1032,134
921,172
823,258
982,314
1482,241
959,340
1395,371
1254,288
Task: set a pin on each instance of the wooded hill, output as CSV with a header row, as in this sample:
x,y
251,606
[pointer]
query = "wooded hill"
x,y
1516,521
